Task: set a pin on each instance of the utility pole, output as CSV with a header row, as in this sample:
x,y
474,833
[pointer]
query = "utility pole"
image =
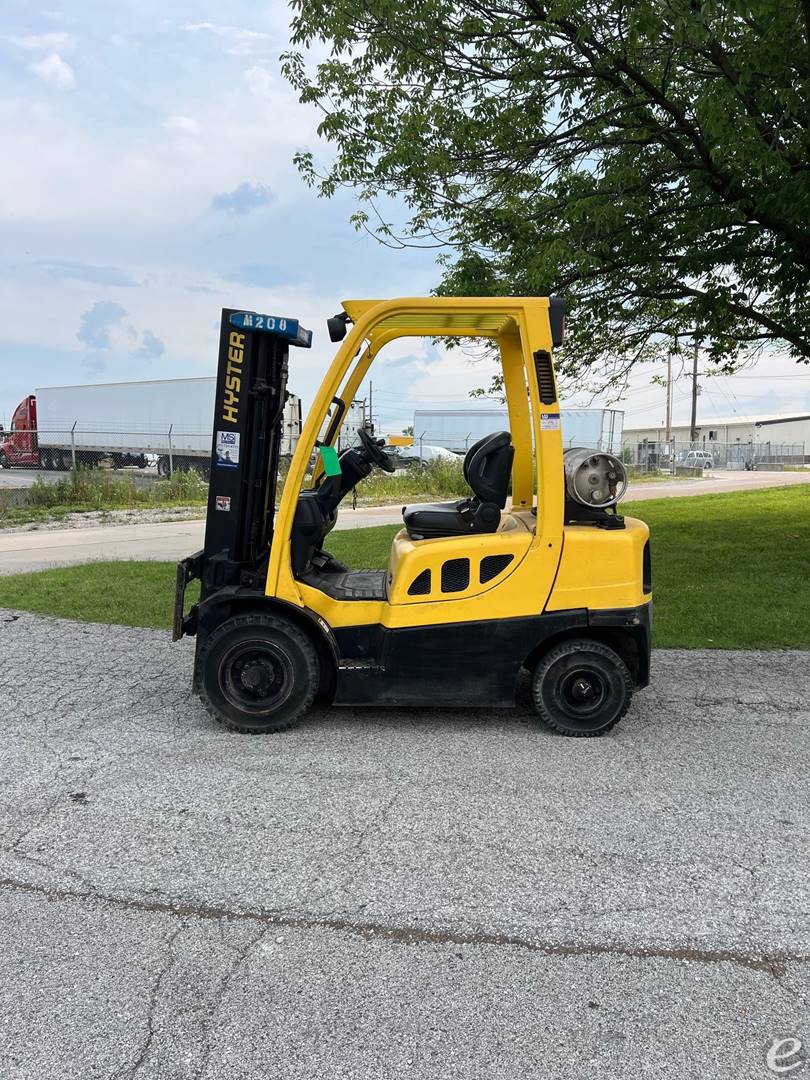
x,y
693,427
669,410
371,406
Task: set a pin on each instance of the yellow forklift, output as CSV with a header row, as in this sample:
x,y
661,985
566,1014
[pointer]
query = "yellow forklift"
x,y
553,580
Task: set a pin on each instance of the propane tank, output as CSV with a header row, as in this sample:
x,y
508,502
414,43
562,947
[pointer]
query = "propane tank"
x,y
594,478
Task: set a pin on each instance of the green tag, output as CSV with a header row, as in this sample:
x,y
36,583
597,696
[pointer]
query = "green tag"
x,y
331,465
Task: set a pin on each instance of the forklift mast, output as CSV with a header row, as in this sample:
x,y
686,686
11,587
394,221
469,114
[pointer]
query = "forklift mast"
x,y
251,392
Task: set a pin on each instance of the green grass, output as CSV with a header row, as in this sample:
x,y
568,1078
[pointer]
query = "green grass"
x,y
86,490
129,593
441,479
363,549
730,571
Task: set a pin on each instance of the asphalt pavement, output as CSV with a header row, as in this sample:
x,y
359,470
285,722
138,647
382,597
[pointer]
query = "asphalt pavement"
x,y
10,479
390,893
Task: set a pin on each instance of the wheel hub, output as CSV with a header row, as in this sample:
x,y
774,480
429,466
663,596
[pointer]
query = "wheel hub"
x,y
252,676
256,676
583,691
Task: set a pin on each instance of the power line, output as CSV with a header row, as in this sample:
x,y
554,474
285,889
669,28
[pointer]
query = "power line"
x,y
734,375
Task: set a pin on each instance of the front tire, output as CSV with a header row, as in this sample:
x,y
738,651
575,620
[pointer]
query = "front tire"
x,y
581,688
257,673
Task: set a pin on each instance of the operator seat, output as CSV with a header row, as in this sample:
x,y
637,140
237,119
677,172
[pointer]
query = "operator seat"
x,y
487,469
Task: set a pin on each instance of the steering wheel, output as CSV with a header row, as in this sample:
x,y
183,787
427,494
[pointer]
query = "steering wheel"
x,y
374,450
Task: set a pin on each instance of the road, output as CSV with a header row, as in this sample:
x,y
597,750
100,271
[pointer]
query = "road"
x,y
38,549
169,540
716,483
24,478
387,894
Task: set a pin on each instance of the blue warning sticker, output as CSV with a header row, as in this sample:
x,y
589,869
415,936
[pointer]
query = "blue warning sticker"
x,y
227,449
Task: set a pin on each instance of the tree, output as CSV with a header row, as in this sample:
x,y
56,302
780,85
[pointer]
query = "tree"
x,y
648,159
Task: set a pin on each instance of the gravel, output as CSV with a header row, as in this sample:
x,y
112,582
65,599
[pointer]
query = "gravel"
x,y
392,893
92,519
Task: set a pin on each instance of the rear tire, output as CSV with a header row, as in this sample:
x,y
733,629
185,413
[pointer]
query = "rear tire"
x,y
3,460
257,673
163,467
581,688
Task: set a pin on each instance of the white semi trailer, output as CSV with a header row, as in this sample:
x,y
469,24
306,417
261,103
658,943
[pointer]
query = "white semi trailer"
x,y
458,429
130,423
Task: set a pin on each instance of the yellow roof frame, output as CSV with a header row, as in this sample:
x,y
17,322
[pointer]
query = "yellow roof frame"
x,y
441,316
521,327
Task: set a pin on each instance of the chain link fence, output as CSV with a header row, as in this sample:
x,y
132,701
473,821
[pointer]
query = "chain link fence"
x,y
460,444
697,457
145,458
52,452
148,454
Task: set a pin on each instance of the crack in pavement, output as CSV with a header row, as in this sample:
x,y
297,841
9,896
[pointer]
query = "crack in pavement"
x,y
774,964
241,958
154,994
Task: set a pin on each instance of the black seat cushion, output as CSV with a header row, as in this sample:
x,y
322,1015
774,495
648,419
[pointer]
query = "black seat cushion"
x,y
487,469
450,519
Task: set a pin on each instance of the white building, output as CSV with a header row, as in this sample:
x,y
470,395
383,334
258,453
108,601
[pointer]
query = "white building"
x,y
782,429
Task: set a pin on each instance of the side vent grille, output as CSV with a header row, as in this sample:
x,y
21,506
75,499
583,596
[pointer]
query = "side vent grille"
x,y
492,565
545,377
455,575
646,569
420,586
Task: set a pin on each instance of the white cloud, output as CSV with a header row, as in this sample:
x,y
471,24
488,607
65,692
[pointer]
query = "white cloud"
x,y
776,384
68,171
45,42
243,42
98,204
181,125
55,71
185,323
96,324
259,80
244,199
151,346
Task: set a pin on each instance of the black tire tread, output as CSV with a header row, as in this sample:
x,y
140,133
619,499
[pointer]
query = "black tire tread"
x,y
276,623
569,648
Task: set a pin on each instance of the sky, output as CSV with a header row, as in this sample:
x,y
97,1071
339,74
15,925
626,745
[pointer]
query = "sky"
x,y
148,181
